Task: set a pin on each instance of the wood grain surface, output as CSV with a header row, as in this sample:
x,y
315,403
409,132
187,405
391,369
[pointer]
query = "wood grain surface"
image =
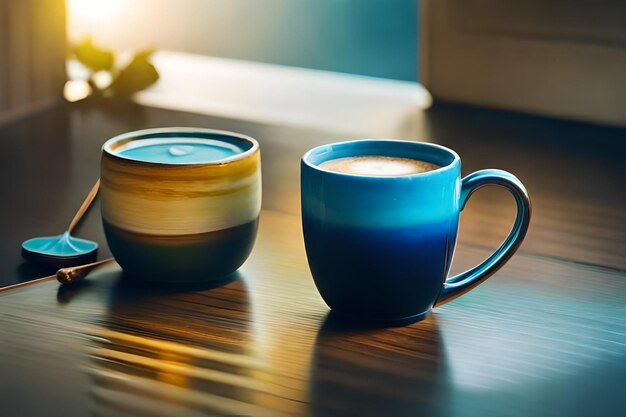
x,y
545,336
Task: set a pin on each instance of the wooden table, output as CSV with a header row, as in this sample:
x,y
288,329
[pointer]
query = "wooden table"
x,y
545,336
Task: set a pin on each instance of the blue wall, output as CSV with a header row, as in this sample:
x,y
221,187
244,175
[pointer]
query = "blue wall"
x,y
368,37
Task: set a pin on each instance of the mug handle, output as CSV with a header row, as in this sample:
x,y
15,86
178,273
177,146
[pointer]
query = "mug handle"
x,y
462,283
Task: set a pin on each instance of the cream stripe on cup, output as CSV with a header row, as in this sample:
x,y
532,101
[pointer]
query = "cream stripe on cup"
x,y
140,214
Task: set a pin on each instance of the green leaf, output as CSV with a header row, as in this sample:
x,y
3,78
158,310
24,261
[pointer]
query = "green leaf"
x,y
137,75
93,57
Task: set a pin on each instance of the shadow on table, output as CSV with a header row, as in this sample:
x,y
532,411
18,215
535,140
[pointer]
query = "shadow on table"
x,y
364,371
128,288
27,271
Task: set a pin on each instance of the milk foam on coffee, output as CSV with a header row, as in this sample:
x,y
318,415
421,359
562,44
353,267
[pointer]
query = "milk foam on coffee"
x,y
374,165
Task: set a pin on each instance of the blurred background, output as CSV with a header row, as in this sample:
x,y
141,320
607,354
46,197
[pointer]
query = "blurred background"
x,y
558,58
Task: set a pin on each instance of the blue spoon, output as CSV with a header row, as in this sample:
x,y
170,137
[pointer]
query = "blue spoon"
x,y
64,248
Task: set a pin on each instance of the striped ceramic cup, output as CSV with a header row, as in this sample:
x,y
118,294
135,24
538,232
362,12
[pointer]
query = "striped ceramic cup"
x,y
180,204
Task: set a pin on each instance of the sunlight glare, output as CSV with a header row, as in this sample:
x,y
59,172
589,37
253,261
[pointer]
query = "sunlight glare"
x,y
94,9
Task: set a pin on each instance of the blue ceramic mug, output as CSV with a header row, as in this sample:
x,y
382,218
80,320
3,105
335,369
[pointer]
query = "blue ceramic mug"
x,y
380,247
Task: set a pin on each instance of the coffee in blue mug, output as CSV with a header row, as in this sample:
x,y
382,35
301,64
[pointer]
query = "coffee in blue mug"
x,y
380,221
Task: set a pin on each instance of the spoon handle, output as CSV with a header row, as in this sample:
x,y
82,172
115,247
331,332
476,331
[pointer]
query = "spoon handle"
x,y
74,274
83,208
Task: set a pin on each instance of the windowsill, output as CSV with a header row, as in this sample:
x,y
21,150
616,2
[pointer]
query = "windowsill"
x,y
283,95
